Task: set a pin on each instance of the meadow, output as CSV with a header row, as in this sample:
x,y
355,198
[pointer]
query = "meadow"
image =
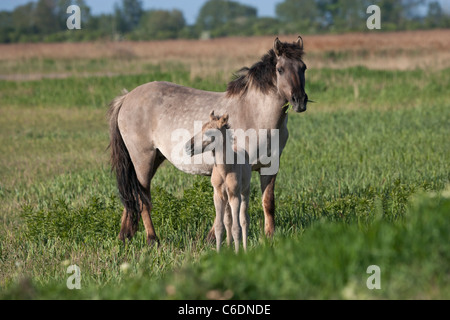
x,y
364,180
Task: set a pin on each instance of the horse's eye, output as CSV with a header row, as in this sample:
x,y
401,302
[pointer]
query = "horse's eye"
x,y
280,70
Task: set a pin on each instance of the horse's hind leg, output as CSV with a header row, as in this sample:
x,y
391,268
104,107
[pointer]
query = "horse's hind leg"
x,y
156,159
148,224
145,169
128,227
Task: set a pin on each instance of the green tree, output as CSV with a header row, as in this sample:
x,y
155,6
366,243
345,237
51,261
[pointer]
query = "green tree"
x,y
46,17
395,14
128,15
6,28
217,13
161,24
265,26
436,18
344,15
102,26
23,18
298,16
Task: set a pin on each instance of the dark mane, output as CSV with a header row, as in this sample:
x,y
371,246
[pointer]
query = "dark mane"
x,y
262,75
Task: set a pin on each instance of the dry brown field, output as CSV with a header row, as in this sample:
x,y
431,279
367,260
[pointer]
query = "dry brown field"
x,y
387,50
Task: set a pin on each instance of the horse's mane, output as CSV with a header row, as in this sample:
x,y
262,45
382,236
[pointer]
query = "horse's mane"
x,y
262,75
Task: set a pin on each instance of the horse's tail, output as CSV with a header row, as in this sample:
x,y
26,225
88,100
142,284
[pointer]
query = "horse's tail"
x,y
130,189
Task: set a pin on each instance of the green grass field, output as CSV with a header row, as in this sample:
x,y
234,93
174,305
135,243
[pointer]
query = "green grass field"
x,y
364,180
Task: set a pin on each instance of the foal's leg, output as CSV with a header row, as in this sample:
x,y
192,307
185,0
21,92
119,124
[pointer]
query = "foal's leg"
x,y
244,218
235,202
228,220
268,201
219,203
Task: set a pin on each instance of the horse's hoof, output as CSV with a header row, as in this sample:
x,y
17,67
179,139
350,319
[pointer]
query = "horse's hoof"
x,y
269,233
124,236
153,241
211,237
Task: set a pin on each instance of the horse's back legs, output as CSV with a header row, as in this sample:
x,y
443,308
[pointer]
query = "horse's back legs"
x,y
145,169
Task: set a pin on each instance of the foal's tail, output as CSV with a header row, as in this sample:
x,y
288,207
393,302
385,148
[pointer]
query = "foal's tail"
x,y
130,189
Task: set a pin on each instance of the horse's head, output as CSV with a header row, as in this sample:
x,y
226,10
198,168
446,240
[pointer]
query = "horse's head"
x,y
290,70
215,128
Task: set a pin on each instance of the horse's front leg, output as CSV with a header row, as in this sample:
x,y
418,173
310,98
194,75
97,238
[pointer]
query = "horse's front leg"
x,y
268,202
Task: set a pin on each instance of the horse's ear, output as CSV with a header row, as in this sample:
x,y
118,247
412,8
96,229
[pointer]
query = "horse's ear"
x,y
277,46
211,116
299,42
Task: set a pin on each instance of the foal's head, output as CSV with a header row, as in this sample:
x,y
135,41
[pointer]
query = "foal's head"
x,y
212,132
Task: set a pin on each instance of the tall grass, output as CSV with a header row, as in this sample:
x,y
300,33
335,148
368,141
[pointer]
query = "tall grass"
x,y
329,260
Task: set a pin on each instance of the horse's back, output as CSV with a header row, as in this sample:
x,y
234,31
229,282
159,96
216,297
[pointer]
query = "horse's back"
x,y
168,95
164,105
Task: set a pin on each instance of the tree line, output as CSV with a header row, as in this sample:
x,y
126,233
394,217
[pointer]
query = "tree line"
x,y
45,20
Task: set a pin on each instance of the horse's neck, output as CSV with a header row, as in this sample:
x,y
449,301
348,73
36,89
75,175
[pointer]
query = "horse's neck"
x,y
265,110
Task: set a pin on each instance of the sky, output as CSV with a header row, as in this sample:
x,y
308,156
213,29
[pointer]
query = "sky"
x,y
190,8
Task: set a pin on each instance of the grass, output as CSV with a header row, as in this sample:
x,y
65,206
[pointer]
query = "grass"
x,y
328,261
362,181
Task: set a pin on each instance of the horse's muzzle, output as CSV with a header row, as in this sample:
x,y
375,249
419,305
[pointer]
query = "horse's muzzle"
x,y
299,104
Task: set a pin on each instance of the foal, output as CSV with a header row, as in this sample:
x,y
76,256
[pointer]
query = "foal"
x,y
231,181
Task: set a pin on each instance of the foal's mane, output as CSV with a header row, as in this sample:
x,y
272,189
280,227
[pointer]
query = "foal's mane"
x,y
262,75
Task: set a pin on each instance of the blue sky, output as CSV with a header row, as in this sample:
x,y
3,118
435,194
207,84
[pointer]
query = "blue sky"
x,y
190,8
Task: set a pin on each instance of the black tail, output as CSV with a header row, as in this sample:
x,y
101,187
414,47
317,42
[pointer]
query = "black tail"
x,y
130,189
